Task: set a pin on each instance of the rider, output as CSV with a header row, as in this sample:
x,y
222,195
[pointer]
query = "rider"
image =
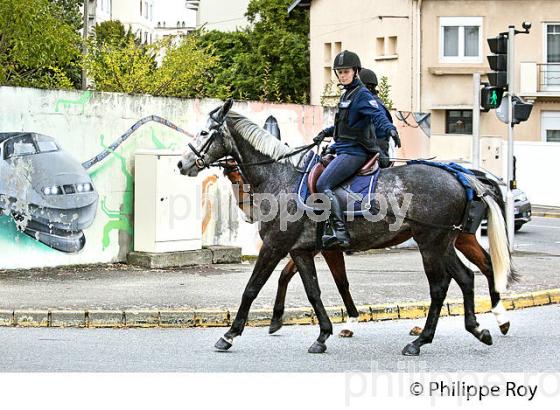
x,y
369,78
354,139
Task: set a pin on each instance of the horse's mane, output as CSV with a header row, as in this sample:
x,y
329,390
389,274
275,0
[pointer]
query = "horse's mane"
x,y
260,139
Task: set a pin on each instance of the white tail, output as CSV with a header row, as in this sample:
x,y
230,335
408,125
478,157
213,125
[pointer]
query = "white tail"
x,y
499,245
497,238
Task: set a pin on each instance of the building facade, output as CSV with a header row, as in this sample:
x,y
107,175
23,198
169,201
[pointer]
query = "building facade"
x,y
221,15
430,50
149,20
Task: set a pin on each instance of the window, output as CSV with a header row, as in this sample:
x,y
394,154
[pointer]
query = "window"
x,y
550,126
458,122
380,46
460,39
551,68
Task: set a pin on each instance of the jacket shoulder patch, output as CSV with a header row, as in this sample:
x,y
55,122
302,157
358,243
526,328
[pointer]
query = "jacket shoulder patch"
x,y
373,103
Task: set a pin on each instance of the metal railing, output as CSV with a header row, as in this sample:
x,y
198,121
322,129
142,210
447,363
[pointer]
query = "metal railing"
x,y
549,77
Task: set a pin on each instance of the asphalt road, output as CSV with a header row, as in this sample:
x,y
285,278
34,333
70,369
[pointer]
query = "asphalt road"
x,y
530,346
539,235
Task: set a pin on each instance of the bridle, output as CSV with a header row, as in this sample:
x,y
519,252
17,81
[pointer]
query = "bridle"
x,y
200,161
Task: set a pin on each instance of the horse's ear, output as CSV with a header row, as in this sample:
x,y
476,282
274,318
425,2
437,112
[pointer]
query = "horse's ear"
x,y
227,106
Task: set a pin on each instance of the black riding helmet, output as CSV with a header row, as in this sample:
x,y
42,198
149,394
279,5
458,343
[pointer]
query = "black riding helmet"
x,y
368,77
347,59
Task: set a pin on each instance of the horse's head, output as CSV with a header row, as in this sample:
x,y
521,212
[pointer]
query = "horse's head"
x,y
210,144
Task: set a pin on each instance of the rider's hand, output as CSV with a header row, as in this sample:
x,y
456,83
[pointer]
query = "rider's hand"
x,y
395,135
327,132
320,137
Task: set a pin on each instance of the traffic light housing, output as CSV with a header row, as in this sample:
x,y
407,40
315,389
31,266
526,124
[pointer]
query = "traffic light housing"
x,y
491,97
521,109
498,61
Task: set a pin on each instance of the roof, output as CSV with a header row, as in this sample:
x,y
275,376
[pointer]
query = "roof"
x,y
300,3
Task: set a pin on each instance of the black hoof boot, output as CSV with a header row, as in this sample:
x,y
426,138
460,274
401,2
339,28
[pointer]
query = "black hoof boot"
x,y
275,326
504,328
485,337
317,347
411,350
222,345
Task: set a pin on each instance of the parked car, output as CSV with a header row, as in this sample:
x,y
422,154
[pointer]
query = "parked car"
x,y
521,204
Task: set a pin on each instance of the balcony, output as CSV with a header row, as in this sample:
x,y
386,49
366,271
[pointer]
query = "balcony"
x,y
539,80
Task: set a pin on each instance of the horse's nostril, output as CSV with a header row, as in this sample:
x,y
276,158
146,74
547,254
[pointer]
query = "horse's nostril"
x,y
180,165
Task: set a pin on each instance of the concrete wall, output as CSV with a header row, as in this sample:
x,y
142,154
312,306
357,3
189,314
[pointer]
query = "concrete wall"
x,y
369,28
85,123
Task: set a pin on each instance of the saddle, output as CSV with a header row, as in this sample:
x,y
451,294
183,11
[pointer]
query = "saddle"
x,y
371,166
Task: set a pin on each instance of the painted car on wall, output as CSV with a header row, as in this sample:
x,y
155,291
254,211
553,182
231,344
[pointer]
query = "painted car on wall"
x,y
48,193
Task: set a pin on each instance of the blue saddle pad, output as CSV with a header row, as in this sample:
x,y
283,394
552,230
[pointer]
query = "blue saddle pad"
x,y
361,185
453,168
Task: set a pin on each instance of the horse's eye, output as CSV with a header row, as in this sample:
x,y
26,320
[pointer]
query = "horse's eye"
x,y
204,133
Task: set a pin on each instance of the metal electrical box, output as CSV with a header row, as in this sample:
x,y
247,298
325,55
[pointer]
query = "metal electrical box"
x,y
167,214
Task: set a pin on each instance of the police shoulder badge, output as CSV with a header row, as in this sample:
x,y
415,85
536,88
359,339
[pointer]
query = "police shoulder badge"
x,y
373,103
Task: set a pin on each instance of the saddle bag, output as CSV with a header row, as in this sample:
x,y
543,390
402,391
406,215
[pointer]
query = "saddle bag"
x,y
475,212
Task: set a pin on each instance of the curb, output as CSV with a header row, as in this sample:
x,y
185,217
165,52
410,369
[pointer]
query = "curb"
x,y
185,318
546,214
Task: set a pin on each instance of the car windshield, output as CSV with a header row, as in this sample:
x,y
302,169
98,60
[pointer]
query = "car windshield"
x,y
20,146
29,144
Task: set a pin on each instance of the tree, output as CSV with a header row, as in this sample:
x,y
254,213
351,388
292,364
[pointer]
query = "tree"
x,y
384,92
269,60
117,62
71,12
37,47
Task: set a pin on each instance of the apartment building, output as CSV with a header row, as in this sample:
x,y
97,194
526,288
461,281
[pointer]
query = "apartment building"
x,y
430,49
220,15
150,20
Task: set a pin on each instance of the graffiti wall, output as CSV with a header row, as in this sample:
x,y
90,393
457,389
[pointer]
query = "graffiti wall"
x,y
67,170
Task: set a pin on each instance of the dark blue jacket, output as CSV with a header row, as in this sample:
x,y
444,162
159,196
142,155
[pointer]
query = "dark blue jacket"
x,y
366,109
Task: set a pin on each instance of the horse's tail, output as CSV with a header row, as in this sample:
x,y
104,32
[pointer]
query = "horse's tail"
x,y
504,274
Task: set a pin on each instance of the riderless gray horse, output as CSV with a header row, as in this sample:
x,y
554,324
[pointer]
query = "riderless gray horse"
x,y
435,212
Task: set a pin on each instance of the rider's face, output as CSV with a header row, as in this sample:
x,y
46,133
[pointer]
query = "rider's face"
x,y
345,75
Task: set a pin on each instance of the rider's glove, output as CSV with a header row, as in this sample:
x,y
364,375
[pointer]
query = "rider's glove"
x,y
395,135
321,136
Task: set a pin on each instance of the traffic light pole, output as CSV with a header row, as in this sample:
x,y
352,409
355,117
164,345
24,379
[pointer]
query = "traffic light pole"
x,y
476,122
510,216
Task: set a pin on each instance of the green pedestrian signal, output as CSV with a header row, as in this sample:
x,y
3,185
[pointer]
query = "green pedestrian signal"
x,y
491,97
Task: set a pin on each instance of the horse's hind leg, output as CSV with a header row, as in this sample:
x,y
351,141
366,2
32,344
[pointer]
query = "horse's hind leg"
x,y
469,246
285,277
306,268
335,261
465,279
438,278
268,260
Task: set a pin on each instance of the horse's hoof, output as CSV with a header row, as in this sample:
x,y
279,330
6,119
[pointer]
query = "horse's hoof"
x,y
415,331
411,350
485,337
346,333
222,345
275,326
504,328
317,347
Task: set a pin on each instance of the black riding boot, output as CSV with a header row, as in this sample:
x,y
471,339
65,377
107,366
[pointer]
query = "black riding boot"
x,y
340,235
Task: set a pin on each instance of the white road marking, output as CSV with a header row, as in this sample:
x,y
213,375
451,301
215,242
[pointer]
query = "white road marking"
x,y
544,226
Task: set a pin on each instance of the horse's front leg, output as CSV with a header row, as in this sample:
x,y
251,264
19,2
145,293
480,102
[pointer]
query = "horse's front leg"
x,y
306,267
268,259
335,260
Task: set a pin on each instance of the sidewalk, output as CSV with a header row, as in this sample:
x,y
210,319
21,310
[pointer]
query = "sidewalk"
x,y
545,211
62,296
